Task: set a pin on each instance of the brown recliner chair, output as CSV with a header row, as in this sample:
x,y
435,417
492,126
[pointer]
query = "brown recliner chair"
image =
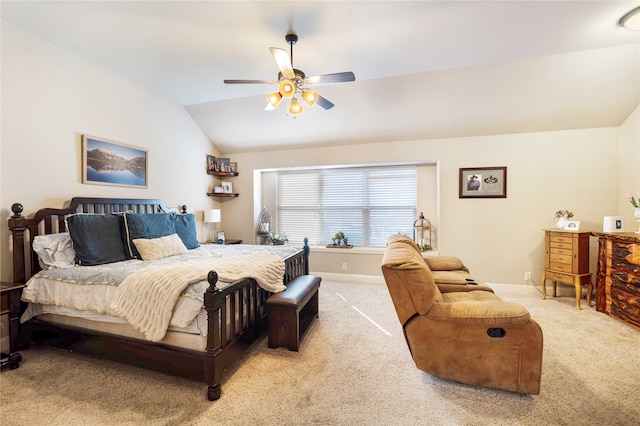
x,y
471,337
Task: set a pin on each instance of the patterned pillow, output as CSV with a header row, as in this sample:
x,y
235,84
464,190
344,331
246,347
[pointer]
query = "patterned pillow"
x,y
158,248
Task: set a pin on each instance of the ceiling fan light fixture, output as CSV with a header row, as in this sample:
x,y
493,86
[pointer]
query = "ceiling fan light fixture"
x,y
274,98
309,96
631,19
295,107
287,88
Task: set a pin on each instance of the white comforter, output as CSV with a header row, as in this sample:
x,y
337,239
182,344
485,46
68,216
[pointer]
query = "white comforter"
x,y
98,286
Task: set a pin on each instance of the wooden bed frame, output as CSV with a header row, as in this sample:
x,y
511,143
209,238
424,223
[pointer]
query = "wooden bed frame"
x,y
225,343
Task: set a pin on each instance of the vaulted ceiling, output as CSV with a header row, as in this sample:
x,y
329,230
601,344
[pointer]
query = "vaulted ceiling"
x,y
424,69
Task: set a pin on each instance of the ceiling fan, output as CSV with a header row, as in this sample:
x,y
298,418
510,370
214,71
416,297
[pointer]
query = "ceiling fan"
x,y
293,82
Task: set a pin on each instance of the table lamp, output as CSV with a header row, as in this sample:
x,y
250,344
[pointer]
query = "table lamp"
x,y
212,216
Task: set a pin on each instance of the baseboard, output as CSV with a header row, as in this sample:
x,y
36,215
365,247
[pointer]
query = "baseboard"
x,y
354,278
518,289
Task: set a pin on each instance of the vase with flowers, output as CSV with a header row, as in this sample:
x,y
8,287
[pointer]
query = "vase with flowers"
x,y
636,207
562,217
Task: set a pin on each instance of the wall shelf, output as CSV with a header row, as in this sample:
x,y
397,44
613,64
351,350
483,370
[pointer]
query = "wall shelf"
x,y
222,174
224,195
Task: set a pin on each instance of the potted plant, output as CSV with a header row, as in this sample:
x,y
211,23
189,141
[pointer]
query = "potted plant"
x,y
279,239
562,217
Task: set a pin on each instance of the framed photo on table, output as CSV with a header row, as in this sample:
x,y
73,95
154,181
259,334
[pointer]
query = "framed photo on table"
x,y
221,237
483,182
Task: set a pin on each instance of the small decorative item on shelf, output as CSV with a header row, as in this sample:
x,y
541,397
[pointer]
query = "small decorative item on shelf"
x,y
279,239
339,241
636,208
422,233
562,217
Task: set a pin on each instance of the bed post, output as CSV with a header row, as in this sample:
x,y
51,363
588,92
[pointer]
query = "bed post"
x,y
307,250
212,373
17,225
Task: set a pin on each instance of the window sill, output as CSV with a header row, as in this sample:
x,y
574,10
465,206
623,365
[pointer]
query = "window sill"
x,y
364,250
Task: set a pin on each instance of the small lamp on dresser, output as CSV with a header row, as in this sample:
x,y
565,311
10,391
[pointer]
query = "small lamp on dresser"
x,y
212,216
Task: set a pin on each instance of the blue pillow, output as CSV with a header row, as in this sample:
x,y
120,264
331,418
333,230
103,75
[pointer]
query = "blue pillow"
x,y
147,225
97,238
186,229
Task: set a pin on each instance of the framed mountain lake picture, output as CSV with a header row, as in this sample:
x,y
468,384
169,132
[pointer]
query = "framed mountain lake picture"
x,y
106,162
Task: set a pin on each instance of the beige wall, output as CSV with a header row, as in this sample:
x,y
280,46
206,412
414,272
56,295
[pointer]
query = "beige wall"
x,y
499,239
50,98
629,171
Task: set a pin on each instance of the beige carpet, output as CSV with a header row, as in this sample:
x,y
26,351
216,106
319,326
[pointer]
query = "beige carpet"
x,y
353,369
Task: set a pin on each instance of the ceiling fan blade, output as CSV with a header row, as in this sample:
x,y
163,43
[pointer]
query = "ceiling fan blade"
x,y
270,107
339,77
284,62
249,82
324,103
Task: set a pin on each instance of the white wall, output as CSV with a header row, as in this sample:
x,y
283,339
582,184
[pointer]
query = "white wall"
x,y
629,167
50,97
499,239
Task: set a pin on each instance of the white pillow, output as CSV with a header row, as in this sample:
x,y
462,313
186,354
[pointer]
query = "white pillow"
x,y
157,248
54,250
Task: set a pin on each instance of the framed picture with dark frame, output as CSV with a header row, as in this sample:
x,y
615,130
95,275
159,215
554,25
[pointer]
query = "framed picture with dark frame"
x,y
211,163
106,162
483,182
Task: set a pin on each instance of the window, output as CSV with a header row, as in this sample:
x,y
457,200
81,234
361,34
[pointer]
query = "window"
x,y
366,203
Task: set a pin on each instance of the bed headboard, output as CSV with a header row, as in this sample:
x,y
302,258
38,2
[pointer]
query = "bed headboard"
x,y
52,221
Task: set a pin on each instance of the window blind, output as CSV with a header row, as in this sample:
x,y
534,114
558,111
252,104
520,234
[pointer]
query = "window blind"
x,y
366,204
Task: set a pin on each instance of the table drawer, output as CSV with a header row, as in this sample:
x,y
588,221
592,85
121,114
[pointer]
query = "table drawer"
x,y
557,276
565,246
557,238
561,267
560,258
561,251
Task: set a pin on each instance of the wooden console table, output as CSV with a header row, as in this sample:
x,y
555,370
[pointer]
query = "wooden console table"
x,y
618,276
567,261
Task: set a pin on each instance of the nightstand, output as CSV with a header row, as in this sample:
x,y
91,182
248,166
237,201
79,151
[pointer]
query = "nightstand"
x,y
10,306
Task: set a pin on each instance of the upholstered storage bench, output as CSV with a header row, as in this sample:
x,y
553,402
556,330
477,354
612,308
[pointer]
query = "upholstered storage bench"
x,y
292,311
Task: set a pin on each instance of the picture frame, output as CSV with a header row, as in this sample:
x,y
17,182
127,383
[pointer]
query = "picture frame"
x,y
221,238
572,225
106,162
218,189
228,187
233,167
483,182
222,164
211,163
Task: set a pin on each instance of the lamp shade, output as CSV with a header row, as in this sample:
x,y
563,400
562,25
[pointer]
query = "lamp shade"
x,y
212,216
631,20
287,88
309,96
295,107
274,98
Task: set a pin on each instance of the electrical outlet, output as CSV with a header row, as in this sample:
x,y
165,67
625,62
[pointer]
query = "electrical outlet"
x,y
344,266
527,276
